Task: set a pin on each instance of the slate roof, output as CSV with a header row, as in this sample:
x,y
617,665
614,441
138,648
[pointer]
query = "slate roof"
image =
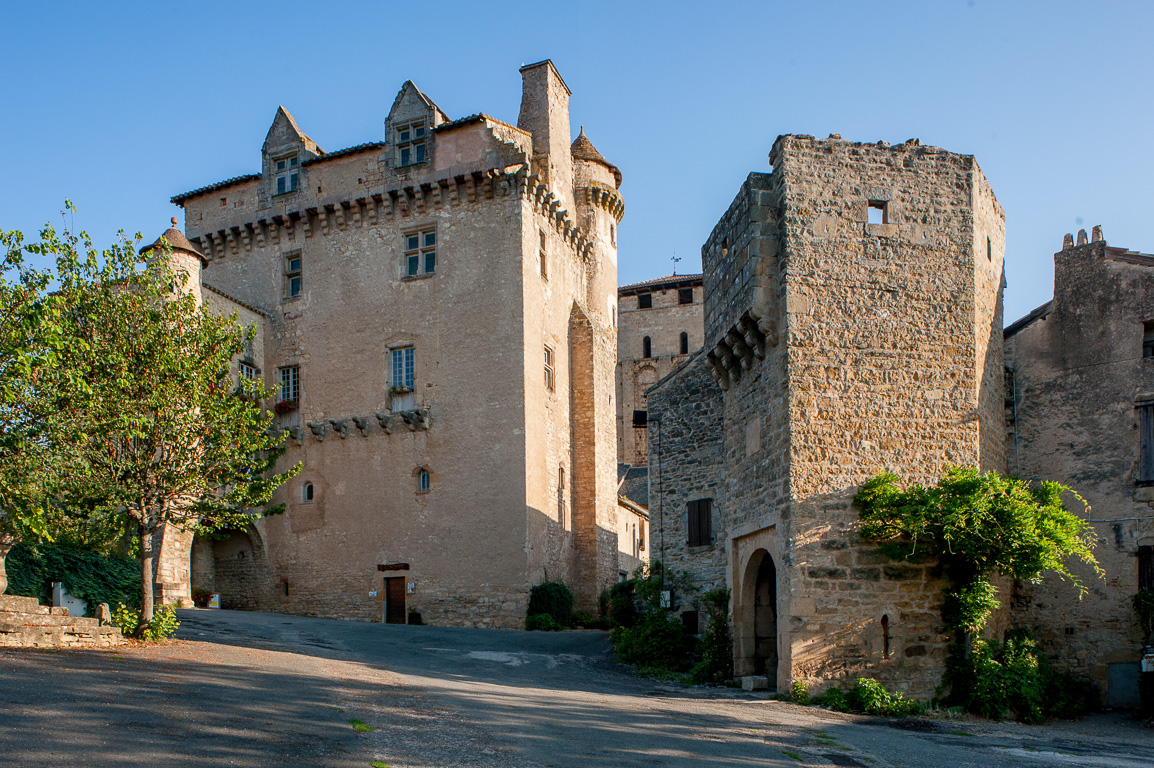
x,y
176,242
178,199
633,484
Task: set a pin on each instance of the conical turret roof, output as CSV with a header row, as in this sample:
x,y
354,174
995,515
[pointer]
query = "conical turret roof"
x,y
583,149
176,242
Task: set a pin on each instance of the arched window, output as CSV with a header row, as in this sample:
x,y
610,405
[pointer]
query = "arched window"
x,y
423,480
684,343
646,347
307,492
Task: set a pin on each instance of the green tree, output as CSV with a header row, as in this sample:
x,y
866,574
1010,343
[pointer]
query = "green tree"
x,y
976,525
148,428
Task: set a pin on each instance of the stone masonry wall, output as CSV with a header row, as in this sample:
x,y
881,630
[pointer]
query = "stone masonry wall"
x,y
1079,375
687,407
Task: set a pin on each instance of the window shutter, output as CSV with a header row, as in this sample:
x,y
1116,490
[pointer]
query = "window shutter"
x,y
1146,567
1146,455
705,524
692,523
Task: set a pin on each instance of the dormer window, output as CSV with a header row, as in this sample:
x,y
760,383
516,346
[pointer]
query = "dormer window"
x,y
411,138
287,174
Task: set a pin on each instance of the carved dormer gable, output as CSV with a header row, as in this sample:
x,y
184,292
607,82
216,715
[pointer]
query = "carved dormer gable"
x,y
286,148
408,129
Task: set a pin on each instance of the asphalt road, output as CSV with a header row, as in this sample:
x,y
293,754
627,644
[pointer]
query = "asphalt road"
x,y
250,689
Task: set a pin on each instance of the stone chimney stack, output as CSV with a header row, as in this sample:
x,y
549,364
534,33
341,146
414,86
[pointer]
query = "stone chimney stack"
x,y
545,114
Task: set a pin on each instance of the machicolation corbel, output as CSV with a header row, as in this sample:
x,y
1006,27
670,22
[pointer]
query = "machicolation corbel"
x,y
296,433
362,424
318,429
386,422
341,426
418,419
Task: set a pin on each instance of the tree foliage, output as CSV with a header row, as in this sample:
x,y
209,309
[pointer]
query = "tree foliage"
x,y
976,525
119,381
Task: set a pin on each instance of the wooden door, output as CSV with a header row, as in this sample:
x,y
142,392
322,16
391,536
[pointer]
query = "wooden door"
x,y
395,600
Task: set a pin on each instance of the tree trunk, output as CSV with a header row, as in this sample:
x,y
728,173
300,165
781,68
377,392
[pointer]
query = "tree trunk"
x,y
146,578
3,574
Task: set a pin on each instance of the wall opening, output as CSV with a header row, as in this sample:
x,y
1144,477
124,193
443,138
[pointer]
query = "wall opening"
x,y
878,212
885,636
647,347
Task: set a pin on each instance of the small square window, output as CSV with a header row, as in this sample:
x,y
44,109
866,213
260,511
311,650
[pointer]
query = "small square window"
x,y
644,300
879,212
685,296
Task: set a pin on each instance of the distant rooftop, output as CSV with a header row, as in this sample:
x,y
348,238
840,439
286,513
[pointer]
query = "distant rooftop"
x,y
661,283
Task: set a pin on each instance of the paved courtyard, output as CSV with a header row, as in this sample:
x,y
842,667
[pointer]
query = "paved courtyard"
x,y
251,689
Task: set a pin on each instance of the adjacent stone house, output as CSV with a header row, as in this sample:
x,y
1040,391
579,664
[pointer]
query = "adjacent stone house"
x,y
438,313
853,315
660,326
1080,411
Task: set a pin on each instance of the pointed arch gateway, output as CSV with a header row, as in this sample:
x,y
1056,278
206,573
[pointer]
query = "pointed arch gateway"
x,y
755,618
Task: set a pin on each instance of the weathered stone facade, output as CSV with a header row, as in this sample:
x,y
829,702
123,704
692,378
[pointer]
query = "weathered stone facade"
x,y
1079,378
846,343
659,327
439,312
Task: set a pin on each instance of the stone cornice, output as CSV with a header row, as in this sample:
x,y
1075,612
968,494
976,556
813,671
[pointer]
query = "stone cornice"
x,y
608,199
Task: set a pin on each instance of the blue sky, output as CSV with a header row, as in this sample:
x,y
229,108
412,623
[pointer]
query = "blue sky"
x,y
120,106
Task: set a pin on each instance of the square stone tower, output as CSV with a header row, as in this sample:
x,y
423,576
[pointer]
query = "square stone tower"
x,y
853,322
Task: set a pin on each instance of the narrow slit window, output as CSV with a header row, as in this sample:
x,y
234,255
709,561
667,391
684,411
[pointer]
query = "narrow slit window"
x,y
989,250
879,212
885,636
647,347
544,258
549,371
684,343
423,481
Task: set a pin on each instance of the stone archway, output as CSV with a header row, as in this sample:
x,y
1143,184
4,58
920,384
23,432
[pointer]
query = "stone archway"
x,y
233,566
756,621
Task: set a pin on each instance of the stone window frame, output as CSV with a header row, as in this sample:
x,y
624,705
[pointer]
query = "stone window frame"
x,y
308,492
419,252
285,168
543,256
245,369
423,479
412,142
645,300
878,205
292,263
550,369
685,295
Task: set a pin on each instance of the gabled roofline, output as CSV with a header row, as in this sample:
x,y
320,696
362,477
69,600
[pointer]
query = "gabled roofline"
x,y
1036,314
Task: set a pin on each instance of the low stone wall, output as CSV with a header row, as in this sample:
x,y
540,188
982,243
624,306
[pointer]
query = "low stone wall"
x,y
24,623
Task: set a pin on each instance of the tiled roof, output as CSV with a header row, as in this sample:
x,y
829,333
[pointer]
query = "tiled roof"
x,y
1018,325
176,241
672,281
179,199
583,149
473,119
344,152
633,484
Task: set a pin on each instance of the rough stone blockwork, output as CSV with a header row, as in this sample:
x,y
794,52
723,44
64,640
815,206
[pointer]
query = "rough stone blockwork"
x,y
852,311
24,623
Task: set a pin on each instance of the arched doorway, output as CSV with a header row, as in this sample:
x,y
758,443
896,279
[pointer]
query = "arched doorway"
x,y
755,618
765,619
231,565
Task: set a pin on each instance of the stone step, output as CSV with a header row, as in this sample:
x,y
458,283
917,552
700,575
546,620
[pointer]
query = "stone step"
x,y
48,620
20,604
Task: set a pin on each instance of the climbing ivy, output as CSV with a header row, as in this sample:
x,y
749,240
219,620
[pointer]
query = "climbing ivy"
x,y
976,525
90,576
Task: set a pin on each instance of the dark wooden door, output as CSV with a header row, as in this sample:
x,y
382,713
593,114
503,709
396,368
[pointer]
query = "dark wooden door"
x,y
395,600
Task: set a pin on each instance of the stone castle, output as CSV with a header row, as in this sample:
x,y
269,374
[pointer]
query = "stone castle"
x,y
458,371
438,311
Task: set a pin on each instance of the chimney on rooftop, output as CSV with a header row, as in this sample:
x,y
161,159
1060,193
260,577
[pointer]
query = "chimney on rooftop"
x,y
545,114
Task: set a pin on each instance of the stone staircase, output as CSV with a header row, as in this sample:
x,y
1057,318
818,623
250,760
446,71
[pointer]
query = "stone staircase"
x,y
25,623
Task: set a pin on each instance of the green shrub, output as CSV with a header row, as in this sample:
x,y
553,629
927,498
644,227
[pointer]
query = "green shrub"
x,y
617,604
834,698
1013,679
164,622
716,644
542,622
869,697
799,692
552,598
655,642
92,577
